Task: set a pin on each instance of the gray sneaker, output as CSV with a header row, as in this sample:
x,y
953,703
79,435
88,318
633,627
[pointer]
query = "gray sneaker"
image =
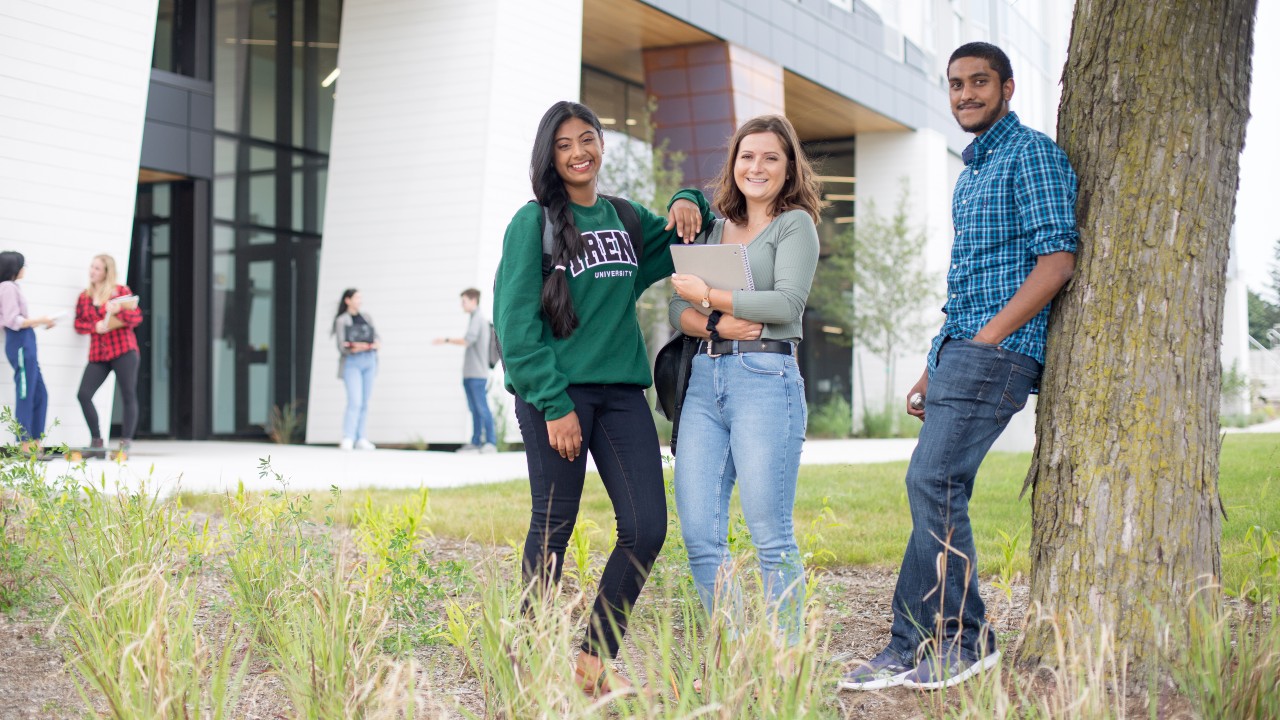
x,y
952,669
882,671
488,449
468,448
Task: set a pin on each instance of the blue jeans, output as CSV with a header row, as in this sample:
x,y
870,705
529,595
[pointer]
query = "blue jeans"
x,y
32,401
974,392
481,419
743,420
358,372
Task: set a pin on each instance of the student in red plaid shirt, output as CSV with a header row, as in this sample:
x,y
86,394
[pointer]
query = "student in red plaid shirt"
x,y
109,323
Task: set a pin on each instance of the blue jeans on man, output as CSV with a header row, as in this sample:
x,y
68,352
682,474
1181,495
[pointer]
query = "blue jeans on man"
x,y
974,392
482,430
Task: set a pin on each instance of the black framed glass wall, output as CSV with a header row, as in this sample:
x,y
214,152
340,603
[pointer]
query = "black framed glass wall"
x,y
151,275
275,65
182,38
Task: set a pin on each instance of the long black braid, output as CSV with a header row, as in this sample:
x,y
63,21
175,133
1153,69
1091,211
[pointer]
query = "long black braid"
x,y
549,190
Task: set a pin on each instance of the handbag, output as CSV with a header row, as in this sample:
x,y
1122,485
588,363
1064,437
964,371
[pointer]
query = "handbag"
x,y
671,370
360,333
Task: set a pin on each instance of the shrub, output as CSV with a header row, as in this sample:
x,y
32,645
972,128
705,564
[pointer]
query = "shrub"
x,y
831,419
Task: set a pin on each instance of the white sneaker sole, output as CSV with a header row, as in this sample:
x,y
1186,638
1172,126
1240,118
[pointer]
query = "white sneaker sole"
x,y
877,684
982,665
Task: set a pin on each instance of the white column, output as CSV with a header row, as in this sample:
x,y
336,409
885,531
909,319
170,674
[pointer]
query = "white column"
x,y
74,94
922,156
437,105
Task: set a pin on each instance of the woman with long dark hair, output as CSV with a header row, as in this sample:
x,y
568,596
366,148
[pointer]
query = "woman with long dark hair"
x,y
108,312
20,347
358,344
744,415
575,359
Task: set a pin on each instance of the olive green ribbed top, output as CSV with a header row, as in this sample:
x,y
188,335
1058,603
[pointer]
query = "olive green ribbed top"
x,y
783,258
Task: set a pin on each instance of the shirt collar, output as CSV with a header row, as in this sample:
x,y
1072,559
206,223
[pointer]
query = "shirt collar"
x,y
994,135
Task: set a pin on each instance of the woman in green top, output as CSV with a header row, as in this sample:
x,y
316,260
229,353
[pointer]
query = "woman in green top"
x,y
744,415
575,359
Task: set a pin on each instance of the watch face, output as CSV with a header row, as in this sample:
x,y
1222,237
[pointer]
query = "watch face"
x,y
706,303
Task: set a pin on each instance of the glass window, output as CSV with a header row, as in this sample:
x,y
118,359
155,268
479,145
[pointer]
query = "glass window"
x,y
262,186
261,322
622,106
224,178
310,175
224,331
245,68
162,57
271,169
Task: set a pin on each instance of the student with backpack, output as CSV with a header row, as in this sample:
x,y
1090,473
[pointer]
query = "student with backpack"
x,y
476,363
576,362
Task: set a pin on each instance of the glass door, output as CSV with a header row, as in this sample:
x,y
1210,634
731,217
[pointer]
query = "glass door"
x,y
150,277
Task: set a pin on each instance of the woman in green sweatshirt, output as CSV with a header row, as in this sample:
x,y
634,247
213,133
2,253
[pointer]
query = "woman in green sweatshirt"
x,y
575,360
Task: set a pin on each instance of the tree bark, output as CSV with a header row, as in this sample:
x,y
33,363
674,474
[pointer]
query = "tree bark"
x,y
1125,507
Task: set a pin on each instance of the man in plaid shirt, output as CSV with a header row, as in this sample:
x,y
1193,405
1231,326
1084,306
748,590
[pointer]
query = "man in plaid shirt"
x,y
1014,249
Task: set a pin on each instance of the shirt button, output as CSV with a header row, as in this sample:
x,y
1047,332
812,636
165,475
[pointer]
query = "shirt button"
x,y
953,296
954,266
975,172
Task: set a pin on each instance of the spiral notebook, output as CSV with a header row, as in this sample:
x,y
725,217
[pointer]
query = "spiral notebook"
x,y
723,267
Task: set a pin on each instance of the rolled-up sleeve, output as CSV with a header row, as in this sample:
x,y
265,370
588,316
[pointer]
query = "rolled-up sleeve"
x,y
1045,196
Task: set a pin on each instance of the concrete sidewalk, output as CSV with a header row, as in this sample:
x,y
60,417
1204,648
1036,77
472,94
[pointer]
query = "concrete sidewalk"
x,y
212,466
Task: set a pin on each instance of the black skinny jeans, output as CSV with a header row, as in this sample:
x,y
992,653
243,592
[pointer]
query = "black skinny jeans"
x,y
95,373
618,431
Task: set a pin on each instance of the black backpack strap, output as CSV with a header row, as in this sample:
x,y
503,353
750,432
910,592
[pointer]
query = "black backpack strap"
x,y
631,223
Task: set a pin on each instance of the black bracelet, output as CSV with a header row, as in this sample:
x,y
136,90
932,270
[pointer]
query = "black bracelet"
x,y
712,320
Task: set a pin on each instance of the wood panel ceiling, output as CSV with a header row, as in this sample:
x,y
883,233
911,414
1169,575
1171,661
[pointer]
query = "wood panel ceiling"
x,y
614,32
822,114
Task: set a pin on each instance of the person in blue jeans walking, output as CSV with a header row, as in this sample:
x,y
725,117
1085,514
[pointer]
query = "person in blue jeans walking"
x,y
475,374
744,414
32,401
1015,240
358,343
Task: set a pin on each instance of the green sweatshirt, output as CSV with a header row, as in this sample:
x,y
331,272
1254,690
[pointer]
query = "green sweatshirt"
x,y
605,283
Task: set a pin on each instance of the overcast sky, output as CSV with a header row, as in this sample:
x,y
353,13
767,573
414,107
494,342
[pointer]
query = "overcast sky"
x,y
1258,203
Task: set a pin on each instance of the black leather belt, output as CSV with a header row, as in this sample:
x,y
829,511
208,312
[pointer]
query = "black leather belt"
x,y
733,347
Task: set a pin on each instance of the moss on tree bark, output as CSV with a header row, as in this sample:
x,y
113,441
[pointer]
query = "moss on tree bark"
x,y
1126,514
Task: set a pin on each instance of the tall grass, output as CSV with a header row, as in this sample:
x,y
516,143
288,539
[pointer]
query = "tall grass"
x,y
1230,673
523,643
317,615
318,603
121,565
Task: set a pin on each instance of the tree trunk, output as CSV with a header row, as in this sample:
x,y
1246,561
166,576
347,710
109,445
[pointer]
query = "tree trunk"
x,y
1125,505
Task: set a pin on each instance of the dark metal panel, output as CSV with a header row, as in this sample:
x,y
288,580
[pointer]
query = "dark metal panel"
x,y
164,147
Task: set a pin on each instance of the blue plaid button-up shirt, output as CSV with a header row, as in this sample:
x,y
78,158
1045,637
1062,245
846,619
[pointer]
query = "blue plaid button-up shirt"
x,y
1014,201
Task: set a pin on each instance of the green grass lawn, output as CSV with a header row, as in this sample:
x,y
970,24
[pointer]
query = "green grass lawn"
x,y
869,502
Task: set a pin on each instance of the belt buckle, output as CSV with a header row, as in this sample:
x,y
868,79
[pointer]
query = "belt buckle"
x,y
710,354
